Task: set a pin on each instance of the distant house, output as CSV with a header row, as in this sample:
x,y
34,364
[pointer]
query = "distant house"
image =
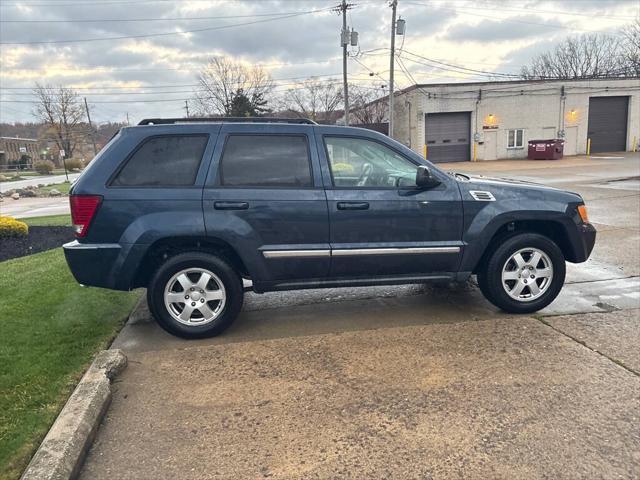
x,y
13,149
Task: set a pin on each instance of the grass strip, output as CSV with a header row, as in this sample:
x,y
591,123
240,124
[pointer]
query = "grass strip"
x,y
51,329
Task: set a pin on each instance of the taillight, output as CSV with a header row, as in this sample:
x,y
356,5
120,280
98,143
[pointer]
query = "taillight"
x,y
83,209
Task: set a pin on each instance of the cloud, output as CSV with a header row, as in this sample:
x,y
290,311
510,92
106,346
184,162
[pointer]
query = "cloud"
x,y
512,28
522,56
300,46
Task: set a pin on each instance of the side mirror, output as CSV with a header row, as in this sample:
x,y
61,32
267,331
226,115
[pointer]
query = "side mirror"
x,y
424,179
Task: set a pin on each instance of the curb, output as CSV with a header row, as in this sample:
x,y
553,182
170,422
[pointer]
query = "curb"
x,y
62,451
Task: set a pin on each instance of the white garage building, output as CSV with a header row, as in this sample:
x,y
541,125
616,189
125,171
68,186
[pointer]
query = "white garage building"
x,y
495,120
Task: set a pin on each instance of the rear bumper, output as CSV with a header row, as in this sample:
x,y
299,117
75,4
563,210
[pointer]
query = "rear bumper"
x,y
105,265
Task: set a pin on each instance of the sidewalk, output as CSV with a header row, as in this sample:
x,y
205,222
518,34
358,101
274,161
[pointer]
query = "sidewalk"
x,y
607,164
37,180
34,207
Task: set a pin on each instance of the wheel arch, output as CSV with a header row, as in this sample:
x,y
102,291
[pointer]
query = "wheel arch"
x,y
167,247
552,229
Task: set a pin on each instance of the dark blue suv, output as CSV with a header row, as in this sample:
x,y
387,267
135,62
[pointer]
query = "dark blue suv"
x,y
188,208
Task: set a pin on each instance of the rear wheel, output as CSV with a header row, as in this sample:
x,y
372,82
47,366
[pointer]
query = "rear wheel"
x,y
524,274
195,295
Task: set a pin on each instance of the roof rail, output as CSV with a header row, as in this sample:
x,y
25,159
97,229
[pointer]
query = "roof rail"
x,y
169,121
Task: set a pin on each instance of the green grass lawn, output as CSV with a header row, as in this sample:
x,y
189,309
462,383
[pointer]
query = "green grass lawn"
x,y
61,187
50,329
48,221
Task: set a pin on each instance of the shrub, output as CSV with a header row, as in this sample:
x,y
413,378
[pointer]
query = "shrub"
x,y
10,227
74,164
44,167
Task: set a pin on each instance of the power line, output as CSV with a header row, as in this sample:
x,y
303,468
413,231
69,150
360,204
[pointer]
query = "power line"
x,y
181,99
93,4
519,8
96,91
377,74
463,60
513,20
485,73
163,19
471,70
196,67
165,34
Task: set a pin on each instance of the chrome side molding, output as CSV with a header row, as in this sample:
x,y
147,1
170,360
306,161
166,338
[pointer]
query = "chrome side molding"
x,y
344,252
392,251
296,253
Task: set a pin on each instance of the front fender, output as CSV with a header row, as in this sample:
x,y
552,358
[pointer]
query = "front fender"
x,y
489,219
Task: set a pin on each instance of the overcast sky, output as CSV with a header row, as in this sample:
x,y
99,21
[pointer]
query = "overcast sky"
x,y
142,56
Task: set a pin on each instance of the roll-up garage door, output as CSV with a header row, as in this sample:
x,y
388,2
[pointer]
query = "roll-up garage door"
x,y
608,123
448,136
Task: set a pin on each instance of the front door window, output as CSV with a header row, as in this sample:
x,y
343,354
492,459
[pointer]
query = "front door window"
x,y
362,163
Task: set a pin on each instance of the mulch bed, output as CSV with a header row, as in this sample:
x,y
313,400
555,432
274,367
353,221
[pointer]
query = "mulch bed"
x,y
38,240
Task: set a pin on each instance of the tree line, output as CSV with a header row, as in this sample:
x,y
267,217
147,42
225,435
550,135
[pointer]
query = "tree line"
x,y
592,55
230,88
227,87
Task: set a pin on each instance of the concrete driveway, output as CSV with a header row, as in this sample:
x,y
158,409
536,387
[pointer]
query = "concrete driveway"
x,y
402,382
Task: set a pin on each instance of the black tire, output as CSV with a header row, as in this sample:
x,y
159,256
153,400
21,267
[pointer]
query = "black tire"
x,y
216,265
490,276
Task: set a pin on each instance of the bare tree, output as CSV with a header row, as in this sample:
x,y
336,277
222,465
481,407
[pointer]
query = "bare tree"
x,y
368,105
584,56
631,47
59,108
223,80
313,99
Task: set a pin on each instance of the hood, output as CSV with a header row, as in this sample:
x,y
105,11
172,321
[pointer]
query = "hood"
x,y
498,181
512,187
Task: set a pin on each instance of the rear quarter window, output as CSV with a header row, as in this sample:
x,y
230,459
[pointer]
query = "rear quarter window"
x,y
168,160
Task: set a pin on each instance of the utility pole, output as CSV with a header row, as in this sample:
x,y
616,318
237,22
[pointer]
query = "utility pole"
x,y
186,107
347,37
128,119
93,138
344,41
394,6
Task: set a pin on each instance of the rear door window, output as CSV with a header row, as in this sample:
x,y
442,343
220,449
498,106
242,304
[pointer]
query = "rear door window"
x,y
168,160
266,161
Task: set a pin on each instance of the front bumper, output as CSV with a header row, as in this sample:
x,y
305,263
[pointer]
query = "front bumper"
x,y
105,265
585,241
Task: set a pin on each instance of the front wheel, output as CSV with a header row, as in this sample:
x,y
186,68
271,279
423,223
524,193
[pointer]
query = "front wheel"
x,y
195,295
524,274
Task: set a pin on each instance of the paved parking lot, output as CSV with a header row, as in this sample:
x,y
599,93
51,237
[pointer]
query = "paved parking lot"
x,y
402,382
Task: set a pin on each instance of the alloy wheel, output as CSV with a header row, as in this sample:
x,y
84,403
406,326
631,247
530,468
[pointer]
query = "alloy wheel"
x,y
527,274
195,296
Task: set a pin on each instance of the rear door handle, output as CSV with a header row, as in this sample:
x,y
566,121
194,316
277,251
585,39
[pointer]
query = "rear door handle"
x,y
353,205
231,205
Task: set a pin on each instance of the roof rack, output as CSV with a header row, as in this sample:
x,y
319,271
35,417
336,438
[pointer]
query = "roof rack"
x,y
169,121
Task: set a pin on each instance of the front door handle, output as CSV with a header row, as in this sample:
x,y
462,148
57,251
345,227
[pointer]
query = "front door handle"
x,y
231,205
353,205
